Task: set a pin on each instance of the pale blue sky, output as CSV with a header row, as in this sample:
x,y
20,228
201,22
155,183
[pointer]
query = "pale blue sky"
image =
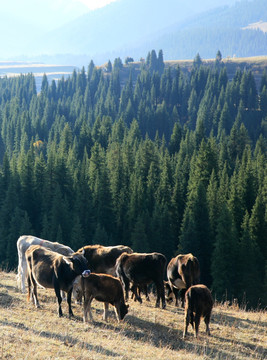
x,y
93,4
43,14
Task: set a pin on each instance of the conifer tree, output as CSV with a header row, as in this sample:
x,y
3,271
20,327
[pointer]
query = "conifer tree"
x,y
223,265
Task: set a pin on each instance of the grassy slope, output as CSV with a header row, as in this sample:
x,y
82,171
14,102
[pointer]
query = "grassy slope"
x,y
146,332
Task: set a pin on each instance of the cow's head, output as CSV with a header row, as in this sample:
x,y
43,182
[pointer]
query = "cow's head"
x,y
123,310
169,295
78,262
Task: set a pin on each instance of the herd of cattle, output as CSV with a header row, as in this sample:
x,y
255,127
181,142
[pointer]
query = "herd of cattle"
x,y
108,273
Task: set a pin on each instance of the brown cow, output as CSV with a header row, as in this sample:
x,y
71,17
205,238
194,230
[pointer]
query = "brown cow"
x,y
182,272
23,243
104,288
198,304
52,270
141,270
102,259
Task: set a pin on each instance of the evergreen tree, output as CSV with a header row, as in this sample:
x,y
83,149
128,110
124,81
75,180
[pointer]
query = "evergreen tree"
x,y
223,263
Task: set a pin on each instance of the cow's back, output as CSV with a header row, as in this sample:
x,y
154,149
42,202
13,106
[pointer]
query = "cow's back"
x,y
41,264
102,259
188,269
199,300
140,267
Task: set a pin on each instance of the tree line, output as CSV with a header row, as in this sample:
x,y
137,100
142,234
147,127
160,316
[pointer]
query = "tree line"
x,y
172,162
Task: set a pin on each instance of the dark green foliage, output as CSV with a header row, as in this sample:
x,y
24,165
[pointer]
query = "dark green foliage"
x,y
166,161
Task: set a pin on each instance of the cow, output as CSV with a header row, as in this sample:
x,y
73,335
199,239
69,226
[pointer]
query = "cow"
x,y
142,269
198,304
182,272
102,259
52,270
104,288
23,243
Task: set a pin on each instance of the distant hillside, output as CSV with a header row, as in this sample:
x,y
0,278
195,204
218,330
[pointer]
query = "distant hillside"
x,y
126,28
256,64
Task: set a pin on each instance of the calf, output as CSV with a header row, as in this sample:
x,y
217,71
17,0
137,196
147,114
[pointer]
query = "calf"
x,y
52,270
198,304
23,243
104,288
141,270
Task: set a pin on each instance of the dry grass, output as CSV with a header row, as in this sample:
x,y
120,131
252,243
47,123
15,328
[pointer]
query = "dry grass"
x,y
146,332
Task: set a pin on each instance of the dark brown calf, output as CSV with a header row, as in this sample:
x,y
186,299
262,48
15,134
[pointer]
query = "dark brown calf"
x,y
104,288
198,304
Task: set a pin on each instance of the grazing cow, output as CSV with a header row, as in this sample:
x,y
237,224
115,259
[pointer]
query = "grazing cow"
x,y
23,243
182,272
52,270
141,270
198,304
102,259
104,288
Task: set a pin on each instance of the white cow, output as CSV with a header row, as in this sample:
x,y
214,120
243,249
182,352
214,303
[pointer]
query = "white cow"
x,y
23,243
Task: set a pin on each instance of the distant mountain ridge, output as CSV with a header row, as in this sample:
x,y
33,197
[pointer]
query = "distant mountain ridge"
x,y
132,28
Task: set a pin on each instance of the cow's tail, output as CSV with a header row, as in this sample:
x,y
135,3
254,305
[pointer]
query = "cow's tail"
x,y
121,274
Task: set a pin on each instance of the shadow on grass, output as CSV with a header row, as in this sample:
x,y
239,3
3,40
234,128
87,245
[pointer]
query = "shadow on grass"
x,y
5,300
67,340
230,319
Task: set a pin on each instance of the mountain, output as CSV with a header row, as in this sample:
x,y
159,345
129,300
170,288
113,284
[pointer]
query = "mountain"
x,y
114,27
132,28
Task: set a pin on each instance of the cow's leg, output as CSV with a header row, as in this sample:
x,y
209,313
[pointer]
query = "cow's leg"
x,y
197,322
23,275
135,289
126,284
146,293
183,291
207,321
69,301
35,297
87,308
29,288
105,314
176,295
186,322
59,298
162,295
22,271
117,311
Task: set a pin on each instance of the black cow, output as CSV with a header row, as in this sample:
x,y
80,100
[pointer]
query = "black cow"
x,y
52,270
182,272
141,270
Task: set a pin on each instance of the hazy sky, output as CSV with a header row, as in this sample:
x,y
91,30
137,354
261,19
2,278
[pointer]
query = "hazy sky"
x,y
93,4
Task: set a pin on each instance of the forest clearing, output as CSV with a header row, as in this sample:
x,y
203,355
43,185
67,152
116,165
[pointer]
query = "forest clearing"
x,y
145,333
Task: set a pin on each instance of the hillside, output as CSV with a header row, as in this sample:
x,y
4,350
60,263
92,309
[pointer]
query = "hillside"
x,y
146,333
126,28
257,64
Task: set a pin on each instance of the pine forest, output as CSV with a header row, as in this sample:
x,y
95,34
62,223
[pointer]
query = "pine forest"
x,y
169,160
